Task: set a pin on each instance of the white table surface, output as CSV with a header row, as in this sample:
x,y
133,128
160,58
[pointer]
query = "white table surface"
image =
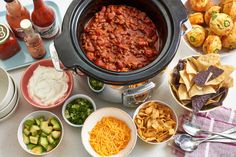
x,y
71,145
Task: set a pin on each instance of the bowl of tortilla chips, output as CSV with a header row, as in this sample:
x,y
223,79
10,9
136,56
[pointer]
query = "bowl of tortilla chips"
x,y
201,83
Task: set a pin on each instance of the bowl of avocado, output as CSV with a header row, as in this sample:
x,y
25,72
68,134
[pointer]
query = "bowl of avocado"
x,y
40,132
95,85
77,108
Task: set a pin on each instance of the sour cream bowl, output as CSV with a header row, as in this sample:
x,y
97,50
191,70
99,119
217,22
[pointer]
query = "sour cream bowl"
x,y
45,102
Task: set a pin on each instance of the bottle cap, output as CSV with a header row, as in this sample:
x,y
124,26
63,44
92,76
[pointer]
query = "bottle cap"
x,y
8,1
4,33
26,24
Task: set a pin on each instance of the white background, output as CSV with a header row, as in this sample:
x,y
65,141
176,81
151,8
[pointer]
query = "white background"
x,y
71,145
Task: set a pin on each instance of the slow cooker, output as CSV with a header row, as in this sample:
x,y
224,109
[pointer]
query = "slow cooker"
x,y
168,15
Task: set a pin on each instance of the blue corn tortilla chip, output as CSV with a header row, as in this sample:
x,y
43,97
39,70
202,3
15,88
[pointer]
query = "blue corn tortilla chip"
x,y
199,101
202,77
176,76
215,72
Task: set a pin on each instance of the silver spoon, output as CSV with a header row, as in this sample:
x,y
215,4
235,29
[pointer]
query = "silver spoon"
x,y
189,144
195,130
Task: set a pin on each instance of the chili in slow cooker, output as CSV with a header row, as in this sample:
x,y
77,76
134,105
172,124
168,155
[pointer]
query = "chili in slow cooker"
x,y
120,38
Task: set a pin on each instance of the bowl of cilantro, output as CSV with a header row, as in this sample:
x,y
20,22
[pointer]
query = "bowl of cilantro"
x,y
77,108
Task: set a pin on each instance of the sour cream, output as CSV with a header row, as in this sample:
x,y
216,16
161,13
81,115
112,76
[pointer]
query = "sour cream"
x,y
46,86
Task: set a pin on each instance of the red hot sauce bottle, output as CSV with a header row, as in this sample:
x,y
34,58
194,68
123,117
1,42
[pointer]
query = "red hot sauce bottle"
x,y
44,20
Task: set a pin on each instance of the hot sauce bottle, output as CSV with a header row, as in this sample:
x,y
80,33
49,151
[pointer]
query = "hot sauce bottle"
x,y
44,20
15,13
33,40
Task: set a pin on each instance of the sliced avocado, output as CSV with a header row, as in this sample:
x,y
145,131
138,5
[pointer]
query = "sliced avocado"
x,y
26,131
50,139
37,150
37,122
45,128
28,123
30,146
54,144
34,139
34,129
44,134
55,123
26,139
49,147
43,142
56,134
41,118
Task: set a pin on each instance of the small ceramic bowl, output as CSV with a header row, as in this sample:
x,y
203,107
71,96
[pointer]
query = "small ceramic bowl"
x,y
173,114
6,88
9,107
96,116
37,114
90,86
71,99
27,75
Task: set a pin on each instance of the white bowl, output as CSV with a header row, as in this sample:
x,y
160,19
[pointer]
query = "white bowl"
x,y
12,102
224,52
6,88
96,116
164,104
71,99
36,114
96,91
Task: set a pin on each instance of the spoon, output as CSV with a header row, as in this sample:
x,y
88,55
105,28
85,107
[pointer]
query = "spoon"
x,y
195,130
189,144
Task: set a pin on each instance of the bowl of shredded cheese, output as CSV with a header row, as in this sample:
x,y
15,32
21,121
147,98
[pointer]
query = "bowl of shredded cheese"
x,y
109,132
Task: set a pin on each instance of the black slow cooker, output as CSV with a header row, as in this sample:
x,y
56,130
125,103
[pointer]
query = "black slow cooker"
x,y
168,16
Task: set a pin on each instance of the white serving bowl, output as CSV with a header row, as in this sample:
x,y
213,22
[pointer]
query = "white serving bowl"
x,y
6,88
71,99
37,114
164,104
94,90
96,116
12,102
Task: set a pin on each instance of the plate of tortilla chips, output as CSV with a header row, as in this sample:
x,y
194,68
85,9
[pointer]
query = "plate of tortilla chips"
x,y
201,83
156,122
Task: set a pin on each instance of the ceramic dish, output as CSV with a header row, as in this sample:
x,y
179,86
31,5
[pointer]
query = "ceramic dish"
x,y
70,100
92,88
37,114
96,116
163,104
25,80
8,108
17,97
198,51
6,88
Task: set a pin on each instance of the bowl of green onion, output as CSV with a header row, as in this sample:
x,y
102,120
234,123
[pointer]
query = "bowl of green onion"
x,y
95,85
77,108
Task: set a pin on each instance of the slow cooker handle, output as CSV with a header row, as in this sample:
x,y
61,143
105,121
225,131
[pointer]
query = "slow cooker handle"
x,y
129,95
178,7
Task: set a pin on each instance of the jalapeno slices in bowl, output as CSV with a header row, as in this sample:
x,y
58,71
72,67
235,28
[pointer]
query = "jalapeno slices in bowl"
x,y
77,108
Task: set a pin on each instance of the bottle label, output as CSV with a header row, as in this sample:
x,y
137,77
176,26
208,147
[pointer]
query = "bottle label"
x,y
4,33
47,32
19,32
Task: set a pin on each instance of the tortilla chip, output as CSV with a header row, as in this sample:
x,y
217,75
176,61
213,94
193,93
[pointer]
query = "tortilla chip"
x,y
182,93
205,90
227,83
215,100
191,76
207,60
228,69
190,68
199,101
181,80
195,63
187,82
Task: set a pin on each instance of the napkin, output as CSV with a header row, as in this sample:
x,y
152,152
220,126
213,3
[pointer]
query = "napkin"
x,y
218,120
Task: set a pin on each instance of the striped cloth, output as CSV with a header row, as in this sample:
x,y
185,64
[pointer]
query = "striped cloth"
x,y
218,120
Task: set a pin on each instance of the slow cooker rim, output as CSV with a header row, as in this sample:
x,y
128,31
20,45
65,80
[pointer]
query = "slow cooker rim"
x,y
134,76
78,13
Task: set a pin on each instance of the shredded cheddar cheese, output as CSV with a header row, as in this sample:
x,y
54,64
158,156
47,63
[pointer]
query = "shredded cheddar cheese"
x,y
109,136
